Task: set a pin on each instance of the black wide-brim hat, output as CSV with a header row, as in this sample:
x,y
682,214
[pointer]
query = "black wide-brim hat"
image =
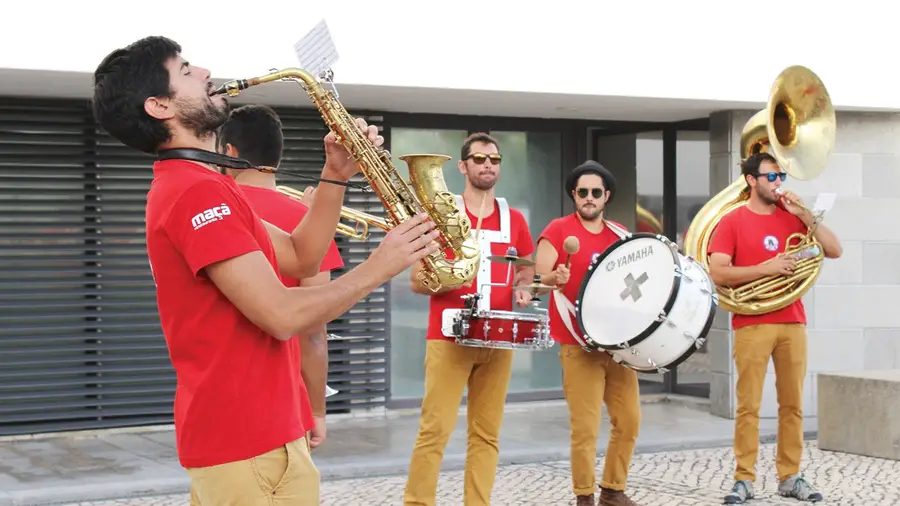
x,y
591,167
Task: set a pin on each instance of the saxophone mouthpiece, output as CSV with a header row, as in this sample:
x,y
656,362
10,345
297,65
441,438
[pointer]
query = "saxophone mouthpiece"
x,y
231,88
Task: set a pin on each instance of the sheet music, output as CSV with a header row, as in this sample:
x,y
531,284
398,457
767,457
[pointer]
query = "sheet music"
x,y
824,202
316,51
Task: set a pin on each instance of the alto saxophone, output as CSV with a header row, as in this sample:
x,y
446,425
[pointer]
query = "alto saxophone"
x,y
455,264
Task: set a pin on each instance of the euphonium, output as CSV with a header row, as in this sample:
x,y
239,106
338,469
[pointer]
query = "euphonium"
x,y
431,196
798,128
359,218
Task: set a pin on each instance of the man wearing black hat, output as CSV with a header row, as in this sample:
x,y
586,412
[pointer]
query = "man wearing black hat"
x,y
589,377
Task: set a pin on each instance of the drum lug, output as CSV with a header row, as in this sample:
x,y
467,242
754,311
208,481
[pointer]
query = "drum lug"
x,y
662,317
515,331
487,327
698,342
660,370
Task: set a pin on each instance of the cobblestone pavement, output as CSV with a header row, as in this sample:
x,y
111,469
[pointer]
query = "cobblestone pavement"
x,y
688,478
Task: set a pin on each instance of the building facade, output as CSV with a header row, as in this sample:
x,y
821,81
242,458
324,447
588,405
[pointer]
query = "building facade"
x,y
80,343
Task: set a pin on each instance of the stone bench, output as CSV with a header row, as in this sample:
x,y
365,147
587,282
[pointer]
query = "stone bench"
x,y
859,412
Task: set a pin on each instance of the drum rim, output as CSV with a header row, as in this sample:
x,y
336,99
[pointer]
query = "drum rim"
x,y
502,314
670,302
713,305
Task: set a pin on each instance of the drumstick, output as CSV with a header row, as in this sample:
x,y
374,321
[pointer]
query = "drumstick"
x,y
571,245
481,214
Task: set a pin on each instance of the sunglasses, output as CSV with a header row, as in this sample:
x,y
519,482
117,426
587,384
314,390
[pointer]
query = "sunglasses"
x,y
480,158
595,192
772,176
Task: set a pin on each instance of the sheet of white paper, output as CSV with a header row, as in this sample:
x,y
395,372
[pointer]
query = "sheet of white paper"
x,y
824,202
329,391
316,51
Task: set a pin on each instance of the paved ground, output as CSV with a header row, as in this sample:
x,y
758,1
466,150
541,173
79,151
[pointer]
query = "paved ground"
x,y
684,478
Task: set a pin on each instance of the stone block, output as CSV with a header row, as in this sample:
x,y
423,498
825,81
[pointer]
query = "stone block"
x,y
857,307
848,269
835,350
879,263
882,348
858,413
881,175
843,175
869,132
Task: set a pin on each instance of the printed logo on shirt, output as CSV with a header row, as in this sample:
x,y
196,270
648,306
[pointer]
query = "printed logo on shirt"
x,y
211,215
770,242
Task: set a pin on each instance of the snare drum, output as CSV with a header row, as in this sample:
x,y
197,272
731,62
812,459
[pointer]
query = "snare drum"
x,y
645,303
498,329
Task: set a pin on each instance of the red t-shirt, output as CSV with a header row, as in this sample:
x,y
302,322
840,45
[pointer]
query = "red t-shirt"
x,y
751,239
235,398
286,213
589,244
501,296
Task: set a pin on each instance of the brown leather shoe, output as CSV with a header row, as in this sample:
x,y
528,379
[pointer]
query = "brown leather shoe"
x,y
614,498
584,500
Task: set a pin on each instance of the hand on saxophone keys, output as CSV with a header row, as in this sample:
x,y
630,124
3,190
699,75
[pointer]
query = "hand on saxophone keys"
x,y
339,160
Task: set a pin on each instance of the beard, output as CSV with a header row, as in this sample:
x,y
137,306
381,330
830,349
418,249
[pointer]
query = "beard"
x,y
590,213
481,183
766,196
202,120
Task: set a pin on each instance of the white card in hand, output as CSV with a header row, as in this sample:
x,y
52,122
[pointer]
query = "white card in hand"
x,y
316,51
824,202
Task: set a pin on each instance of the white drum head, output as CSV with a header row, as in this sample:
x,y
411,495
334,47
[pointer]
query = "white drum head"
x,y
625,290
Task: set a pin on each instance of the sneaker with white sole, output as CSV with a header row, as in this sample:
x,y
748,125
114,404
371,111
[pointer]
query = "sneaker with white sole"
x,y
740,492
797,487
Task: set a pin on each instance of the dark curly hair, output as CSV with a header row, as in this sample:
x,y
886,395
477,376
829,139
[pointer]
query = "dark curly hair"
x,y
123,81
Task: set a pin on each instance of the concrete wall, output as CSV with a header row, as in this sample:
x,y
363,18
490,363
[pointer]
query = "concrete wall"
x,y
854,319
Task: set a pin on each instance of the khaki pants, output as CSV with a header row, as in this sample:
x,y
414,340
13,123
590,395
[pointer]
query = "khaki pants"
x,y
449,368
284,476
590,379
753,345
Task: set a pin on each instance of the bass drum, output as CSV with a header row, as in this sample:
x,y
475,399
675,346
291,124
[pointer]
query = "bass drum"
x,y
645,303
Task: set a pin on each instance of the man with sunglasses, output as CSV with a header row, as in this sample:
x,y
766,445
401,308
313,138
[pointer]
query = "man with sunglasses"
x,y
590,378
745,247
449,367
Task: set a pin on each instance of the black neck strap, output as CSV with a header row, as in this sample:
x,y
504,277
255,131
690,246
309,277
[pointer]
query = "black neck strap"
x,y
201,155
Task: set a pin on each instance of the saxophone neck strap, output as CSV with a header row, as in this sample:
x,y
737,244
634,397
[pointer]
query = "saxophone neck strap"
x,y
220,160
204,156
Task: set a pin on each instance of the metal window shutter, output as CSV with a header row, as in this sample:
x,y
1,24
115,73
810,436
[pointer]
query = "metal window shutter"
x,y
359,367
80,341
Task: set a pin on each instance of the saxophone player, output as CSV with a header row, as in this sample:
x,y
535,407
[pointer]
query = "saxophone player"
x,y
590,378
253,132
449,367
226,315
745,248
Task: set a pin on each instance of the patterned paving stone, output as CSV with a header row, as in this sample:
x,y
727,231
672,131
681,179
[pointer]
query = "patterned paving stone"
x,y
687,478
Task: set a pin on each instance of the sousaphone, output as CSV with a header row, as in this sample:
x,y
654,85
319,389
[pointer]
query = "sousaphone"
x,y
798,128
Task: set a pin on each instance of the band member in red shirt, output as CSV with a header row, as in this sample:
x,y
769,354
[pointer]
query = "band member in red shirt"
x,y
745,247
590,378
449,367
226,314
253,132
